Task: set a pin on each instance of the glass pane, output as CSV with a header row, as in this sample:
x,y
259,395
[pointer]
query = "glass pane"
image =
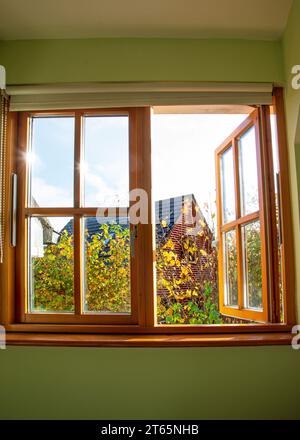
x,y
248,173
184,209
106,161
228,192
252,264
51,266
230,268
51,162
107,265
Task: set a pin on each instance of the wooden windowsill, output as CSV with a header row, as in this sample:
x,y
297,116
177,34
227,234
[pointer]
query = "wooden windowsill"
x,y
154,340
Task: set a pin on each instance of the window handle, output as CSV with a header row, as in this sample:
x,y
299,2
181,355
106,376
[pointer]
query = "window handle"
x,y
13,209
133,237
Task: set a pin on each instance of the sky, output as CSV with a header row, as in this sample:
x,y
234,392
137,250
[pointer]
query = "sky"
x,y
182,158
183,155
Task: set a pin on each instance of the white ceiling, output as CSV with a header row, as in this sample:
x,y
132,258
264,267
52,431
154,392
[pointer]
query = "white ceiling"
x,y
250,19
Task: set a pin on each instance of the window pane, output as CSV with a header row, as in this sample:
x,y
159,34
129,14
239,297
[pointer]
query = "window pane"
x,y
51,266
248,172
230,268
106,161
184,213
227,179
107,265
51,162
252,264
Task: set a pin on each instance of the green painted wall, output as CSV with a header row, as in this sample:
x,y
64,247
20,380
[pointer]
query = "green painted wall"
x,y
254,382
291,52
291,55
246,382
47,61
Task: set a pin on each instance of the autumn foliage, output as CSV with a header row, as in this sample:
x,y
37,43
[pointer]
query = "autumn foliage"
x,y
107,273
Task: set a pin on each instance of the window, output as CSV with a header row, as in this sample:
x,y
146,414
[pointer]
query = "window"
x,y
140,221
75,247
241,224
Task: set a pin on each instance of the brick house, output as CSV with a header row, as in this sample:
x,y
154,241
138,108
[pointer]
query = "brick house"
x,y
180,220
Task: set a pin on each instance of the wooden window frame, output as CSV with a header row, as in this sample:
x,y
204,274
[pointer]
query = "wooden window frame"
x,y
78,212
240,311
145,322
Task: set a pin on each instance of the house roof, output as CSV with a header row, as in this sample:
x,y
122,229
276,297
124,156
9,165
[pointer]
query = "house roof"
x,y
167,211
92,224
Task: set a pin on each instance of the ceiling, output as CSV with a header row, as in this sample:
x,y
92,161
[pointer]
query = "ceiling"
x,y
38,19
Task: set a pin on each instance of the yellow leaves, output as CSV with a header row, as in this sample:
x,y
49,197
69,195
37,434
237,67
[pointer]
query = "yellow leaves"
x,y
186,245
170,257
184,270
169,245
51,257
164,224
190,293
106,289
180,296
203,252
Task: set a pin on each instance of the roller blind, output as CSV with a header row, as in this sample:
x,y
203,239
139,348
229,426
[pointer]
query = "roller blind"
x,y
104,95
4,107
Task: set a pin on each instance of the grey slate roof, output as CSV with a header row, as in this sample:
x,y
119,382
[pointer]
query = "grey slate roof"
x,y
168,210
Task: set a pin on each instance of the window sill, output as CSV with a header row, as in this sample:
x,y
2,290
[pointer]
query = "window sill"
x,y
157,340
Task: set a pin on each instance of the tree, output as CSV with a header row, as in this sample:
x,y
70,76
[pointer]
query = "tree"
x,y
107,269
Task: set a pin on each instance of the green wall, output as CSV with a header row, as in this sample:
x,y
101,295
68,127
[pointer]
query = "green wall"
x,y
246,382
254,382
46,61
291,55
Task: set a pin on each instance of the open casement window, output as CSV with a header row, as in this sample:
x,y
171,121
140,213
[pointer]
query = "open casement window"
x,y
246,217
78,270
81,237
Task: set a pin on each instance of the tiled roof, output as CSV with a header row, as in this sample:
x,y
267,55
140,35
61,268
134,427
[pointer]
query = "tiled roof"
x,y
92,224
167,210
